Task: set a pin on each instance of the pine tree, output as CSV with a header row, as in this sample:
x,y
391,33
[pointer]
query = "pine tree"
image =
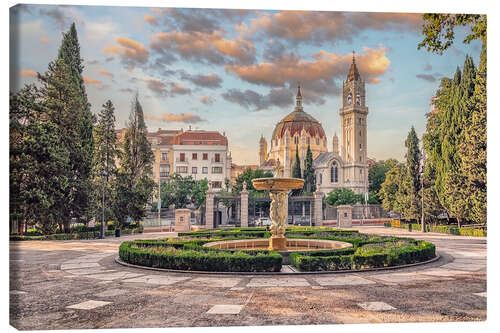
x,y
105,155
309,178
134,184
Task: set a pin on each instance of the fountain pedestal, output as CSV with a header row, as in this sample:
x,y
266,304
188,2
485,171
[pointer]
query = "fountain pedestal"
x,y
278,188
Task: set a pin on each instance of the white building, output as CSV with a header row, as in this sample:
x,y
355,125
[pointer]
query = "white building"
x,y
202,155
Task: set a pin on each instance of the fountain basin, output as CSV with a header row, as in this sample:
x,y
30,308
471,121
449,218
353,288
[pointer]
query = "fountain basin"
x,y
292,245
277,184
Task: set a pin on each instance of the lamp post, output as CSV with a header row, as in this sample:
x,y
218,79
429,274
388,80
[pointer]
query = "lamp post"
x,y
159,202
103,174
422,169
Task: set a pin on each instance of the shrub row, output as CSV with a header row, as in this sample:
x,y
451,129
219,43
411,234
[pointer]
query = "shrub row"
x,y
444,229
73,235
375,258
193,257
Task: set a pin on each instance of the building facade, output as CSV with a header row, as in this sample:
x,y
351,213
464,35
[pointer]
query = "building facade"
x,y
344,166
202,155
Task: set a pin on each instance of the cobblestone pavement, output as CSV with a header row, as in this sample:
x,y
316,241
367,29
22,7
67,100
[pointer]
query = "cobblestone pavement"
x,y
77,284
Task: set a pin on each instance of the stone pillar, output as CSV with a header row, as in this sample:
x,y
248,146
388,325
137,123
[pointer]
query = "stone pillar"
x,y
344,216
209,205
182,220
244,206
318,208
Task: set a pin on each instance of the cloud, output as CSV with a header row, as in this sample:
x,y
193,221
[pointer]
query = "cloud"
x,y
207,100
89,80
132,53
150,19
157,86
56,14
93,62
250,99
318,75
127,90
108,59
28,72
206,81
427,67
43,39
187,117
313,27
426,77
202,47
104,73
179,89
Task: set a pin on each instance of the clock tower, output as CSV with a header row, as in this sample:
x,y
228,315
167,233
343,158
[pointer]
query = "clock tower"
x,y
353,120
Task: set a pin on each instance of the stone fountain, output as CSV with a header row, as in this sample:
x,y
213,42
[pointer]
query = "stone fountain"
x,y
278,188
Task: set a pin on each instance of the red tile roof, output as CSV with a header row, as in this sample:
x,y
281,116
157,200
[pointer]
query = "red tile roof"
x,y
200,138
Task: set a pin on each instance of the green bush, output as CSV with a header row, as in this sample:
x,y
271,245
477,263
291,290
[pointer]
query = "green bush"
x,y
190,256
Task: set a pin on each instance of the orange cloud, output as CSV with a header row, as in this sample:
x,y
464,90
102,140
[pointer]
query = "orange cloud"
x,y
209,47
104,73
187,117
150,19
28,72
325,66
43,40
131,52
89,80
156,85
179,89
207,100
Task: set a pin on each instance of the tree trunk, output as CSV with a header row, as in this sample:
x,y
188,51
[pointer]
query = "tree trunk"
x,y
459,220
67,224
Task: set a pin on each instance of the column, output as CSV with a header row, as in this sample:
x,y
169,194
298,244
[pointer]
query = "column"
x,y
209,203
318,208
244,206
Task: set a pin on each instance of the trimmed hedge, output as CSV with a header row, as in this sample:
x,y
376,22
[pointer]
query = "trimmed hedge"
x,y
386,256
443,229
193,257
74,235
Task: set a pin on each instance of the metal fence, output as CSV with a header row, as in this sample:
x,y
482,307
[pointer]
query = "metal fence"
x,y
358,212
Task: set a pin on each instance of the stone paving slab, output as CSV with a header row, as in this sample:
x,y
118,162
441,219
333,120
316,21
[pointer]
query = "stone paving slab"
x,y
442,272
278,282
349,280
157,279
112,293
483,294
376,306
225,309
79,265
88,305
114,276
89,271
464,266
17,292
213,282
401,277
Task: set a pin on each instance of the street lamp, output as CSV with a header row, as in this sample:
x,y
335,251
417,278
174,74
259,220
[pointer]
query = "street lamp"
x,y
103,174
422,169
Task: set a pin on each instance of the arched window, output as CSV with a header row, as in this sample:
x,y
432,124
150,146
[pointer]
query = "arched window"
x,y
349,99
321,178
296,140
334,173
358,99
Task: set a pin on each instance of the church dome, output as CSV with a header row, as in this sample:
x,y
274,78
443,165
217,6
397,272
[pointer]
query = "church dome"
x,y
298,120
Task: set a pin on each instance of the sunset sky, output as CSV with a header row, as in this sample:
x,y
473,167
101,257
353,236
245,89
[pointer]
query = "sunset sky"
x,y
236,71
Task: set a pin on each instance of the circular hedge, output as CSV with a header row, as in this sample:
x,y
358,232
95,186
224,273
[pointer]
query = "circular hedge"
x,y
188,253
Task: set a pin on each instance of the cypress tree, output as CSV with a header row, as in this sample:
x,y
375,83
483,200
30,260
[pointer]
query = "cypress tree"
x,y
296,172
105,154
309,178
134,185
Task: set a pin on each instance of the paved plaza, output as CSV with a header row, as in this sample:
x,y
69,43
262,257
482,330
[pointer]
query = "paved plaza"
x,y
78,284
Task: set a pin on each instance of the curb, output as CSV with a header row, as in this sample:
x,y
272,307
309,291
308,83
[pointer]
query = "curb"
x,y
436,258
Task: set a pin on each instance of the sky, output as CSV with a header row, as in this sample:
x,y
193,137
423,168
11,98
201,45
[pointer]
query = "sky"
x,y
236,71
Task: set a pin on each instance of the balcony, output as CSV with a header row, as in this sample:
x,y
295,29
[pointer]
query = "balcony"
x,y
163,174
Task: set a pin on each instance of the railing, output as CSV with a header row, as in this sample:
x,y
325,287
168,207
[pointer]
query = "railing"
x,y
164,174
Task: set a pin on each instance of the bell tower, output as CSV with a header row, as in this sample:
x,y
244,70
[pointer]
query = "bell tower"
x,y
353,115
262,150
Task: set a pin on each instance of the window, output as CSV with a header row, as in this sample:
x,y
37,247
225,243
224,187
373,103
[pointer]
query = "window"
x,y
359,121
349,99
358,99
205,156
194,170
296,140
217,157
194,156
334,173
164,156
360,146
361,172
164,170
308,141
321,178
204,170
217,184
216,169
182,169
360,158
182,157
